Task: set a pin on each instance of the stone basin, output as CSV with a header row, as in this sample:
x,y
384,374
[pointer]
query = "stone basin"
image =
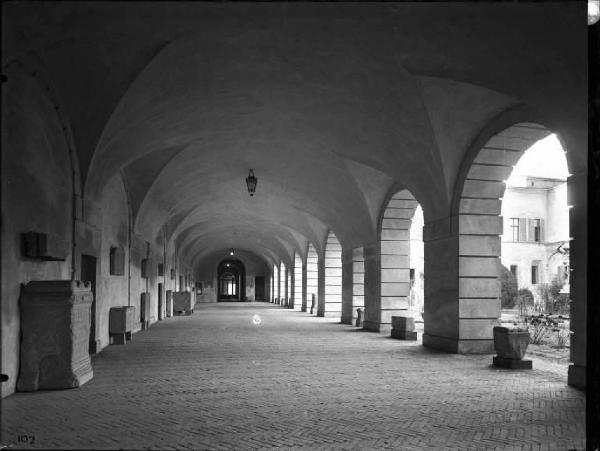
x,y
511,342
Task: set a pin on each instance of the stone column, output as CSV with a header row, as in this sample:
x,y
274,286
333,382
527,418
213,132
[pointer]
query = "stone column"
x,y
371,287
441,309
304,288
347,287
292,285
462,289
286,293
333,280
578,254
279,284
321,287
358,281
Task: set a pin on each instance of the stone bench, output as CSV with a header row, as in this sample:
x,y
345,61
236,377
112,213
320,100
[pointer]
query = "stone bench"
x,y
403,328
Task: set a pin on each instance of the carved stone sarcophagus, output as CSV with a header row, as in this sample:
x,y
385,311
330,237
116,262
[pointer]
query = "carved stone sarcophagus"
x,y
55,326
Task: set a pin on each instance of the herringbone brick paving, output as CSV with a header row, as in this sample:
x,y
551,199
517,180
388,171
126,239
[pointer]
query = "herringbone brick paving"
x,y
215,380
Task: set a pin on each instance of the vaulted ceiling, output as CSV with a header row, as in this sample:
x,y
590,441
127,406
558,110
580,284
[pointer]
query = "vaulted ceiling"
x,y
332,105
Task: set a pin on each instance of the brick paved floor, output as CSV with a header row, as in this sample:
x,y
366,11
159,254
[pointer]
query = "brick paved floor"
x,y
215,380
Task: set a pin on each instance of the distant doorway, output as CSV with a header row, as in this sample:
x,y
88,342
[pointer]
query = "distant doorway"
x,y
259,288
88,274
161,308
232,277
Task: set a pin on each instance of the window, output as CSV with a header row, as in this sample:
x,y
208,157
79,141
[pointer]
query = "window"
x,y
514,226
513,270
537,230
534,274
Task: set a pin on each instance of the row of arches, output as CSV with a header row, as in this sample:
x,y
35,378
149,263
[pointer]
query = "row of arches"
x,y
443,272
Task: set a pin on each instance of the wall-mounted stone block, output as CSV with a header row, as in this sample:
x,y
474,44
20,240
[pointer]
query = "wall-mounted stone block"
x,y
182,303
43,246
117,261
145,268
121,323
169,303
145,310
55,326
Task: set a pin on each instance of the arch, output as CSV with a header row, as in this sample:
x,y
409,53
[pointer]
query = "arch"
x,y
298,285
480,228
394,261
275,281
282,283
312,277
331,306
231,280
289,294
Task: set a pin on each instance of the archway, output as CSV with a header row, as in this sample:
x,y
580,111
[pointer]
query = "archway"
x,y
480,228
231,281
331,306
399,277
312,279
298,287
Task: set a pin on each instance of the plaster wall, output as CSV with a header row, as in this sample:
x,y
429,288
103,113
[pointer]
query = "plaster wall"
x,y
111,290
36,196
557,228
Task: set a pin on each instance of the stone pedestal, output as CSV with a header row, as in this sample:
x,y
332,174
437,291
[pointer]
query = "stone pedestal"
x,y
403,328
169,303
145,310
121,323
55,327
182,303
359,317
511,344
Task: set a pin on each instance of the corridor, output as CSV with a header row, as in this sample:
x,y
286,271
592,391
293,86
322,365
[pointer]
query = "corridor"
x,y
256,376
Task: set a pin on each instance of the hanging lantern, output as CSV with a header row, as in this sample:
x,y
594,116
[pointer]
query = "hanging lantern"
x,y
251,182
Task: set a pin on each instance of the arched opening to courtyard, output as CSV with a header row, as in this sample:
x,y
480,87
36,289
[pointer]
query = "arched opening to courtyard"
x,y
331,305
401,263
312,280
298,285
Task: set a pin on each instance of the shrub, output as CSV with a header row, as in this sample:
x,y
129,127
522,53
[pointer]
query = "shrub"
x,y
508,288
525,300
562,338
554,301
537,333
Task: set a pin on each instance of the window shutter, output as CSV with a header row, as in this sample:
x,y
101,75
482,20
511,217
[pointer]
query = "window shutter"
x,y
530,230
522,229
542,230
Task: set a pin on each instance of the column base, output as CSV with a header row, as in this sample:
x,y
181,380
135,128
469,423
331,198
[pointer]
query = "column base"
x,y
329,314
373,326
577,376
404,334
457,346
512,364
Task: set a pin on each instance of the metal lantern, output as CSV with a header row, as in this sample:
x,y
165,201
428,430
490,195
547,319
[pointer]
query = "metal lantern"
x,y
251,181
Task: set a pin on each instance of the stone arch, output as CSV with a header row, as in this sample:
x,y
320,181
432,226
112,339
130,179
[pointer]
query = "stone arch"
x,y
298,283
331,306
394,261
312,277
282,283
275,284
479,226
